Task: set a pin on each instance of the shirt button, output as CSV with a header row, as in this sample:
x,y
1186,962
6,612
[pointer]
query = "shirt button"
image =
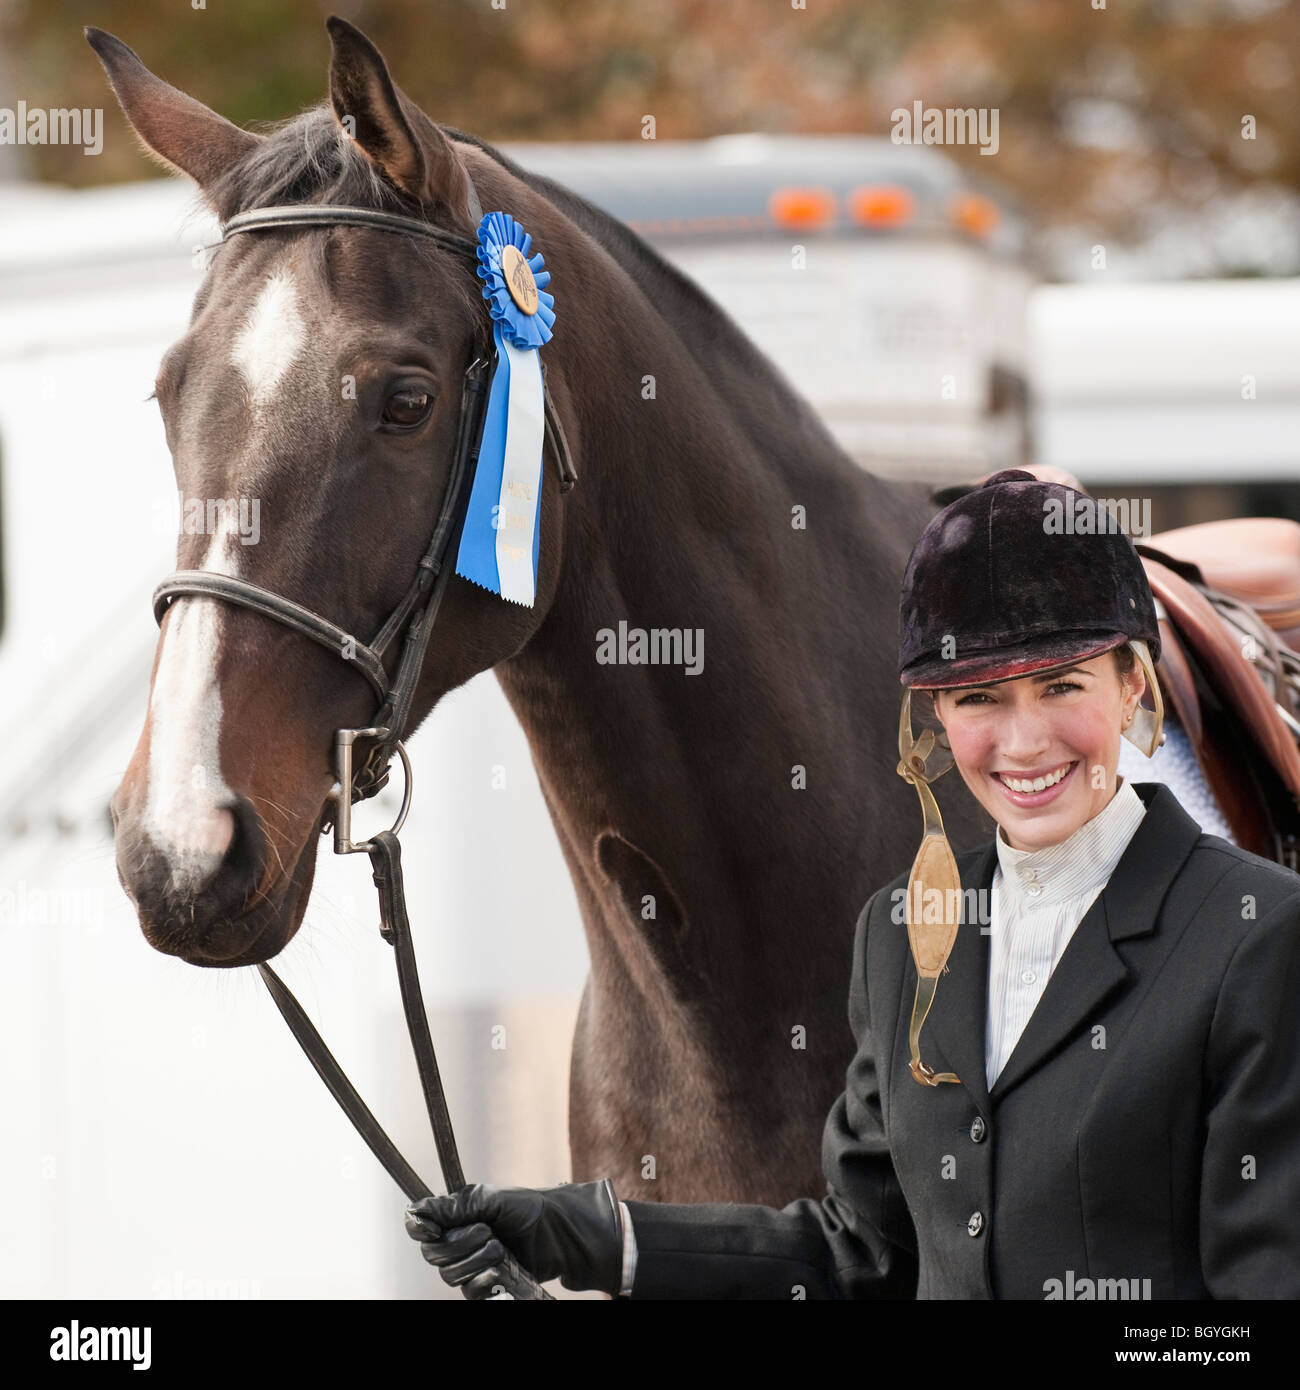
x,y
1027,977
977,1130
1030,874
1034,889
976,1223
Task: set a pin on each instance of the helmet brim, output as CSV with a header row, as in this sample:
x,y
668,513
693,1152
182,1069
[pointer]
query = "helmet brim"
x,y
1011,662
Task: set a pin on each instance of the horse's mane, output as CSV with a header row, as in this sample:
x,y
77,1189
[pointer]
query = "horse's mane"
x,y
665,285
304,159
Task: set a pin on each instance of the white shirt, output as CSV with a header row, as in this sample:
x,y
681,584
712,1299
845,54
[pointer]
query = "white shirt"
x,y
1039,897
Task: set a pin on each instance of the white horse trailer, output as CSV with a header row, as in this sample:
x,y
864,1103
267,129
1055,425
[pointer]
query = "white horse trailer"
x,y
1186,393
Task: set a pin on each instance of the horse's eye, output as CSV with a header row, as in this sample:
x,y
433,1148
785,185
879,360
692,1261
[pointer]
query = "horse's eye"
x,y
407,408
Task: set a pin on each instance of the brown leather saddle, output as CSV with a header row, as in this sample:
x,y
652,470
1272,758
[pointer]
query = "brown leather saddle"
x,y
1228,595
1228,599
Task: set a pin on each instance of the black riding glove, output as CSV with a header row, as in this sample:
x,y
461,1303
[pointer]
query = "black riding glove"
x,y
573,1232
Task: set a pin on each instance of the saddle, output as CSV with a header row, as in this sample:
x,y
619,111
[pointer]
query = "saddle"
x,y
1228,601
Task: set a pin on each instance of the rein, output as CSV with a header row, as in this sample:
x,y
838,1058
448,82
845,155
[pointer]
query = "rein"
x,y
413,619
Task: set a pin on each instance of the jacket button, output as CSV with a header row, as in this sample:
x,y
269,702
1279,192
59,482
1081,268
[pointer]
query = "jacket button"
x,y
977,1130
976,1223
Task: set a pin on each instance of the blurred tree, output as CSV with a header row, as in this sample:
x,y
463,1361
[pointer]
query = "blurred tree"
x,y
1109,110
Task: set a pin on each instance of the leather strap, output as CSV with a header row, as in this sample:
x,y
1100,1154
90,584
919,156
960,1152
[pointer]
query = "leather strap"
x,y
931,935
922,1071
343,1091
273,605
337,215
395,928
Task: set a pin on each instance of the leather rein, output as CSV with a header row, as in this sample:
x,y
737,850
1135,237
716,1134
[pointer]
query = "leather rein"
x,y
412,621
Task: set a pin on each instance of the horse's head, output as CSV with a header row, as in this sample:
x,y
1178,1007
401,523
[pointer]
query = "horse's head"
x,y
311,411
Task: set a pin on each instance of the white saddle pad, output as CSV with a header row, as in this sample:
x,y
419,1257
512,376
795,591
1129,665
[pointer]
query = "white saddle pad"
x,y
1175,765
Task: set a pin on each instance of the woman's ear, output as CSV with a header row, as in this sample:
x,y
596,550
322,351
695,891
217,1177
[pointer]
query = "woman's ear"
x,y
1135,685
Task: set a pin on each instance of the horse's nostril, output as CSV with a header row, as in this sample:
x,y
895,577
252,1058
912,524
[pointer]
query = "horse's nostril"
x,y
206,870
214,834
245,848
201,833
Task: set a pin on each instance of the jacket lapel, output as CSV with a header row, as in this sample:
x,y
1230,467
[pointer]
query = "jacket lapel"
x,y
1090,968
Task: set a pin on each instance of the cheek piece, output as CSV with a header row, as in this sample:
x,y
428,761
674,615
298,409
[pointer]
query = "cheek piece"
x,y
934,887
1147,730
934,893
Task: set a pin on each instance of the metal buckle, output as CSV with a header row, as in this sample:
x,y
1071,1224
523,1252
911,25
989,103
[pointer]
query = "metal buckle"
x,y
341,793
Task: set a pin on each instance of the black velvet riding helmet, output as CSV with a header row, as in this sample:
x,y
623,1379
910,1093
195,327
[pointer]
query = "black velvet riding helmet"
x,y
1015,577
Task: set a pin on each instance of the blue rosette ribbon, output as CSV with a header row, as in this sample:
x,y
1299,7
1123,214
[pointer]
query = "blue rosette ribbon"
x,y
499,541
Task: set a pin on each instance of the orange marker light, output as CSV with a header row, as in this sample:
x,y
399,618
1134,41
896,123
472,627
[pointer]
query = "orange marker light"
x,y
802,207
881,205
974,214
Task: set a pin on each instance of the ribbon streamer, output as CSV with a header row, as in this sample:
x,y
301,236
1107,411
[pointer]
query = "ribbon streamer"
x,y
500,540
499,544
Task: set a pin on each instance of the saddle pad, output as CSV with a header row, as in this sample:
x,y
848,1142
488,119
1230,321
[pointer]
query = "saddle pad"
x,y
1175,765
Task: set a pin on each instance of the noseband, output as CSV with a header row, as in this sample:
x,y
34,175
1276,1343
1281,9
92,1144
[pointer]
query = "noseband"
x,y
412,620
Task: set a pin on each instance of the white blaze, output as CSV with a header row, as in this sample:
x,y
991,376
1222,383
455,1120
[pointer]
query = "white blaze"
x,y
183,815
272,337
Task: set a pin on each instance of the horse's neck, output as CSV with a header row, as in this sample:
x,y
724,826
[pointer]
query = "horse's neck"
x,y
712,504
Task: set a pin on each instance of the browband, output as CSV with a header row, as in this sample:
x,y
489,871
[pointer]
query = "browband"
x,y
333,215
325,215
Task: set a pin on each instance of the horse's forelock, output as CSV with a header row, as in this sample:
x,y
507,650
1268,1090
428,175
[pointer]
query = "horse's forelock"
x,y
307,158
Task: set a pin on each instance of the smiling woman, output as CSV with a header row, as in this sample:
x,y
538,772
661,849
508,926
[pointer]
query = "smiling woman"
x,y
1039,752
1121,1098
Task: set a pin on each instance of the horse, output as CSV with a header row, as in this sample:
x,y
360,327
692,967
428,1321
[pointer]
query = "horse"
x,y
723,826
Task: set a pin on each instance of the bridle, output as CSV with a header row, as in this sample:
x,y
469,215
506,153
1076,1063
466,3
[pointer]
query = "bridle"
x,y
411,621
417,609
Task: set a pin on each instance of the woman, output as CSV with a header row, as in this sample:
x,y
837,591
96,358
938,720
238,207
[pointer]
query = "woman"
x,y
1109,1097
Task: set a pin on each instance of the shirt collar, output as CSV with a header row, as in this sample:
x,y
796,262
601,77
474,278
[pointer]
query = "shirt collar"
x,y
1083,862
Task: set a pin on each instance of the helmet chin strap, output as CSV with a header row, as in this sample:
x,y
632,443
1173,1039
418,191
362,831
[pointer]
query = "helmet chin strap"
x,y
934,887
934,896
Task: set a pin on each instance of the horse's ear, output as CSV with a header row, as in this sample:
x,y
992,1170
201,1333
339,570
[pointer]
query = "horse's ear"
x,y
389,127
178,131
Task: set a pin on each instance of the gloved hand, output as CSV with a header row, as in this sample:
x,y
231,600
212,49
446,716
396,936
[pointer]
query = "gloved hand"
x,y
573,1232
